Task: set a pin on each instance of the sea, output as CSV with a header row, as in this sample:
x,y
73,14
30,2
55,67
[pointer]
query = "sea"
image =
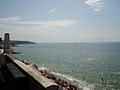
x,y
94,65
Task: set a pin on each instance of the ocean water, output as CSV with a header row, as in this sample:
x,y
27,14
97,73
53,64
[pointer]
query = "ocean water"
x,y
97,64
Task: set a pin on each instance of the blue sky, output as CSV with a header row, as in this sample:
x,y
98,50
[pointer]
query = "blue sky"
x,y
61,20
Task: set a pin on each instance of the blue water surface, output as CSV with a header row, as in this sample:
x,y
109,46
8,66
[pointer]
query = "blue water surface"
x,y
96,63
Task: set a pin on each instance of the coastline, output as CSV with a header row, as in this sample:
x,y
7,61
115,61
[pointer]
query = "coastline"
x,y
79,83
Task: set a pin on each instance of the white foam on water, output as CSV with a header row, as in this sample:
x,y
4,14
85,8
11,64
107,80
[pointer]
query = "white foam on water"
x,y
80,83
91,58
42,68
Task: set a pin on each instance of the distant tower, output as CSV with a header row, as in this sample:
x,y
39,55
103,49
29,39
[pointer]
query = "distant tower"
x,y
6,45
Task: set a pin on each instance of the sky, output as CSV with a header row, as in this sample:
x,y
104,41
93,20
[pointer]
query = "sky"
x,y
61,20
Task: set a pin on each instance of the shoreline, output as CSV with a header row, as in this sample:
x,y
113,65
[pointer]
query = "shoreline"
x,y
79,83
82,85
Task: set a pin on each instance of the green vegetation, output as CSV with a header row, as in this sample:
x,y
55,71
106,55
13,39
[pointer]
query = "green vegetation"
x,y
15,42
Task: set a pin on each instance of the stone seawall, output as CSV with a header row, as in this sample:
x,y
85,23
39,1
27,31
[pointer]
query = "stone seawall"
x,y
26,76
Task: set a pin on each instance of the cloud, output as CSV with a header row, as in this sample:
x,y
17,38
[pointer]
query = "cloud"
x,y
53,10
97,5
22,28
97,9
10,19
41,25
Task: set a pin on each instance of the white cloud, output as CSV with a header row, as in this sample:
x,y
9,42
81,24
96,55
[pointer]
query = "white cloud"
x,y
97,5
97,9
58,23
10,19
41,25
33,30
53,10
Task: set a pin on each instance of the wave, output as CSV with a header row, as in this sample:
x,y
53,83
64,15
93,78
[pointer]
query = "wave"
x,y
91,58
82,84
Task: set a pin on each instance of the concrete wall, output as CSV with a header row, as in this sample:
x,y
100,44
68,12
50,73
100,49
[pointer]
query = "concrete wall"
x,y
31,83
